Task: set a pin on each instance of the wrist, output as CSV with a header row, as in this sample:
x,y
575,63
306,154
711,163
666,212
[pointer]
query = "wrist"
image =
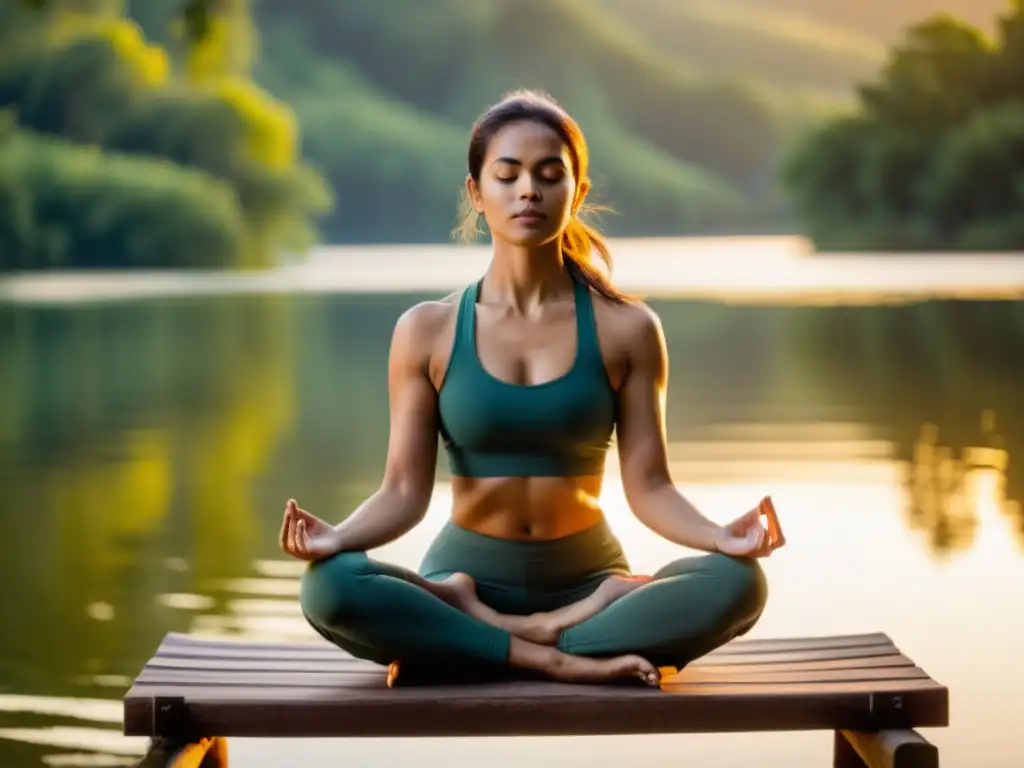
x,y
338,539
718,534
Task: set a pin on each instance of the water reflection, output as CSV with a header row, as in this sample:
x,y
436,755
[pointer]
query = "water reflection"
x,y
946,491
146,450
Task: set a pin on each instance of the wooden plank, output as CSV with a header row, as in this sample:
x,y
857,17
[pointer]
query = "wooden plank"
x,y
853,682
864,662
544,709
373,694
320,679
795,656
316,644
719,656
177,645
348,664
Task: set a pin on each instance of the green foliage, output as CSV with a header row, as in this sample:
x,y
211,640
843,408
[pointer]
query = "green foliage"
x,y
65,205
690,107
191,148
934,157
386,101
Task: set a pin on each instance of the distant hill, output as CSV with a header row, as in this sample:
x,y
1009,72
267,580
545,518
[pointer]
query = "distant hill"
x,y
883,20
688,104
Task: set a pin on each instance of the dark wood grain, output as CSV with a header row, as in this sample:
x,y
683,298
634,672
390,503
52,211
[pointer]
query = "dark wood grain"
x,y
238,688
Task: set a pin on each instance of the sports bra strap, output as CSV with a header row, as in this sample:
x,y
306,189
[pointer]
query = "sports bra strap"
x,y
465,323
586,324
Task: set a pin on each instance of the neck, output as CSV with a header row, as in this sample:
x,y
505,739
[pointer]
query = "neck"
x,y
524,278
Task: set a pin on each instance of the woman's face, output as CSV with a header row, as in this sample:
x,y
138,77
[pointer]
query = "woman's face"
x,y
526,186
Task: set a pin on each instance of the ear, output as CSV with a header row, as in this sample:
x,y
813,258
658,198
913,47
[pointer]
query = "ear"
x,y
473,191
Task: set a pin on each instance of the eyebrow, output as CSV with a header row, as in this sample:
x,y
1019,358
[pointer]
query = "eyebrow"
x,y
545,161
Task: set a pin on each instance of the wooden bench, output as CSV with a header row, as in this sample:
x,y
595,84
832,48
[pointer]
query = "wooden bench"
x,y
194,694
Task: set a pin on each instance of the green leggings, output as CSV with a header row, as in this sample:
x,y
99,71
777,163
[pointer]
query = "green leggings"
x,y
692,606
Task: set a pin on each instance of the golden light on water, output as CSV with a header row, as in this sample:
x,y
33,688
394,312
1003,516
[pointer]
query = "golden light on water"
x,y
851,565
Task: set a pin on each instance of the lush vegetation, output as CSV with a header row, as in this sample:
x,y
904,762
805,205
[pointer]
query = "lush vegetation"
x,y
167,132
115,152
933,158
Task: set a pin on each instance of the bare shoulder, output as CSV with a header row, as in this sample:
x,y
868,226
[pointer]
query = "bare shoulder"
x,y
630,325
424,332
427,318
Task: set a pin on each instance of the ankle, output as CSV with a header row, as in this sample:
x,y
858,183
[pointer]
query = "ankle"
x,y
527,654
555,663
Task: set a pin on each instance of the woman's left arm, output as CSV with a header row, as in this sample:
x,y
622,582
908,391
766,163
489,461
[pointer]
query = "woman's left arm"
x,y
643,449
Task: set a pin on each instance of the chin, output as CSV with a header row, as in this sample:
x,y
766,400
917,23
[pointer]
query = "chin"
x,y
529,239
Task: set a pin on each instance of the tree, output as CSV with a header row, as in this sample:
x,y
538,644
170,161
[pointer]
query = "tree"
x,y
85,84
934,156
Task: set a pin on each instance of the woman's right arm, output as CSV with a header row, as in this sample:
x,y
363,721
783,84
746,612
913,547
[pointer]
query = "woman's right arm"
x,y
402,499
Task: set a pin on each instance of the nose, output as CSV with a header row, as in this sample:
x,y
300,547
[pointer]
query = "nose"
x,y
528,189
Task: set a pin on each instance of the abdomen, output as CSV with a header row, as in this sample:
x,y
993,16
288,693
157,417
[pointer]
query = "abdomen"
x,y
526,508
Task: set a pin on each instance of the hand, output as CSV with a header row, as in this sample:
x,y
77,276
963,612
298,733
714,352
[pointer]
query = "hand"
x,y
306,536
745,537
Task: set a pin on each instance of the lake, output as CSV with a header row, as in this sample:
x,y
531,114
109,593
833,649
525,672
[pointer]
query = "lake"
x,y
148,444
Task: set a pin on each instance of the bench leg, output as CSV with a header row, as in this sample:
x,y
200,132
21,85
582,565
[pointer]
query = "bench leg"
x,y
205,753
883,749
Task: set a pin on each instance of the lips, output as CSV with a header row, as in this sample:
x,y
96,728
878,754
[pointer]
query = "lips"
x,y
531,214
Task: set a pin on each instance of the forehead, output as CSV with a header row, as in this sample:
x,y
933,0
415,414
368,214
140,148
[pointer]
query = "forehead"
x,y
526,141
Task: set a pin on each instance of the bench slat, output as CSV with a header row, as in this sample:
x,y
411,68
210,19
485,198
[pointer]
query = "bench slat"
x,y
349,664
236,688
178,644
305,712
334,679
722,655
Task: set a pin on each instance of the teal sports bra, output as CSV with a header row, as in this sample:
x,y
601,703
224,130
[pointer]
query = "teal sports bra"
x,y
560,428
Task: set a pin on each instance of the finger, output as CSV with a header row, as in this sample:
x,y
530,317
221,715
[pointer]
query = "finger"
x,y
766,543
759,539
287,532
743,525
283,535
302,537
289,523
753,516
294,533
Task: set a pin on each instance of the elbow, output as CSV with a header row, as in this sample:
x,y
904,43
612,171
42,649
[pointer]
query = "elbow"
x,y
410,497
641,492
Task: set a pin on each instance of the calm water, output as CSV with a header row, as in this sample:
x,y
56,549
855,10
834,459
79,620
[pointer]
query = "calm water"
x,y
147,448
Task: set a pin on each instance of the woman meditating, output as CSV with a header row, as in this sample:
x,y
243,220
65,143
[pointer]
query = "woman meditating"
x,y
525,375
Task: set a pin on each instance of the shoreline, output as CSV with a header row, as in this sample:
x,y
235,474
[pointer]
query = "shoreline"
x,y
733,270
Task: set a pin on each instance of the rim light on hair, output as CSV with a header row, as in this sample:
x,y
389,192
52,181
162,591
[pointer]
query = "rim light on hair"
x,y
579,240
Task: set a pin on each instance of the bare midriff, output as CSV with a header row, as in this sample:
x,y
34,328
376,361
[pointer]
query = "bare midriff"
x,y
526,508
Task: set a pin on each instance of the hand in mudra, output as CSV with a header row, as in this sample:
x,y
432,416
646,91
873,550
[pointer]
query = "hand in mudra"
x,y
747,537
306,536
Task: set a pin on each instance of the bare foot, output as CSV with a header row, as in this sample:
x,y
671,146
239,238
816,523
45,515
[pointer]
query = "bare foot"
x,y
545,628
458,590
581,669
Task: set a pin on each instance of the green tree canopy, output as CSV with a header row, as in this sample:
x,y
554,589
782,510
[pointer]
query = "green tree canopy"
x,y
934,156
127,154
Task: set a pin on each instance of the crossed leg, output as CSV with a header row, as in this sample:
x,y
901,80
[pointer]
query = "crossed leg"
x,y
385,613
628,628
686,609
542,628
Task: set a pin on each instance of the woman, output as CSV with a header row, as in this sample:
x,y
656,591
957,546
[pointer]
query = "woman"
x,y
525,375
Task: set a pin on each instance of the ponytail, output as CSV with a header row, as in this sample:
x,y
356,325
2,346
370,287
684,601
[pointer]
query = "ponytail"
x,y
579,241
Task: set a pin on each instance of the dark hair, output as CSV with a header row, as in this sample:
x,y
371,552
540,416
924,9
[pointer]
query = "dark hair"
x,y
579,239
